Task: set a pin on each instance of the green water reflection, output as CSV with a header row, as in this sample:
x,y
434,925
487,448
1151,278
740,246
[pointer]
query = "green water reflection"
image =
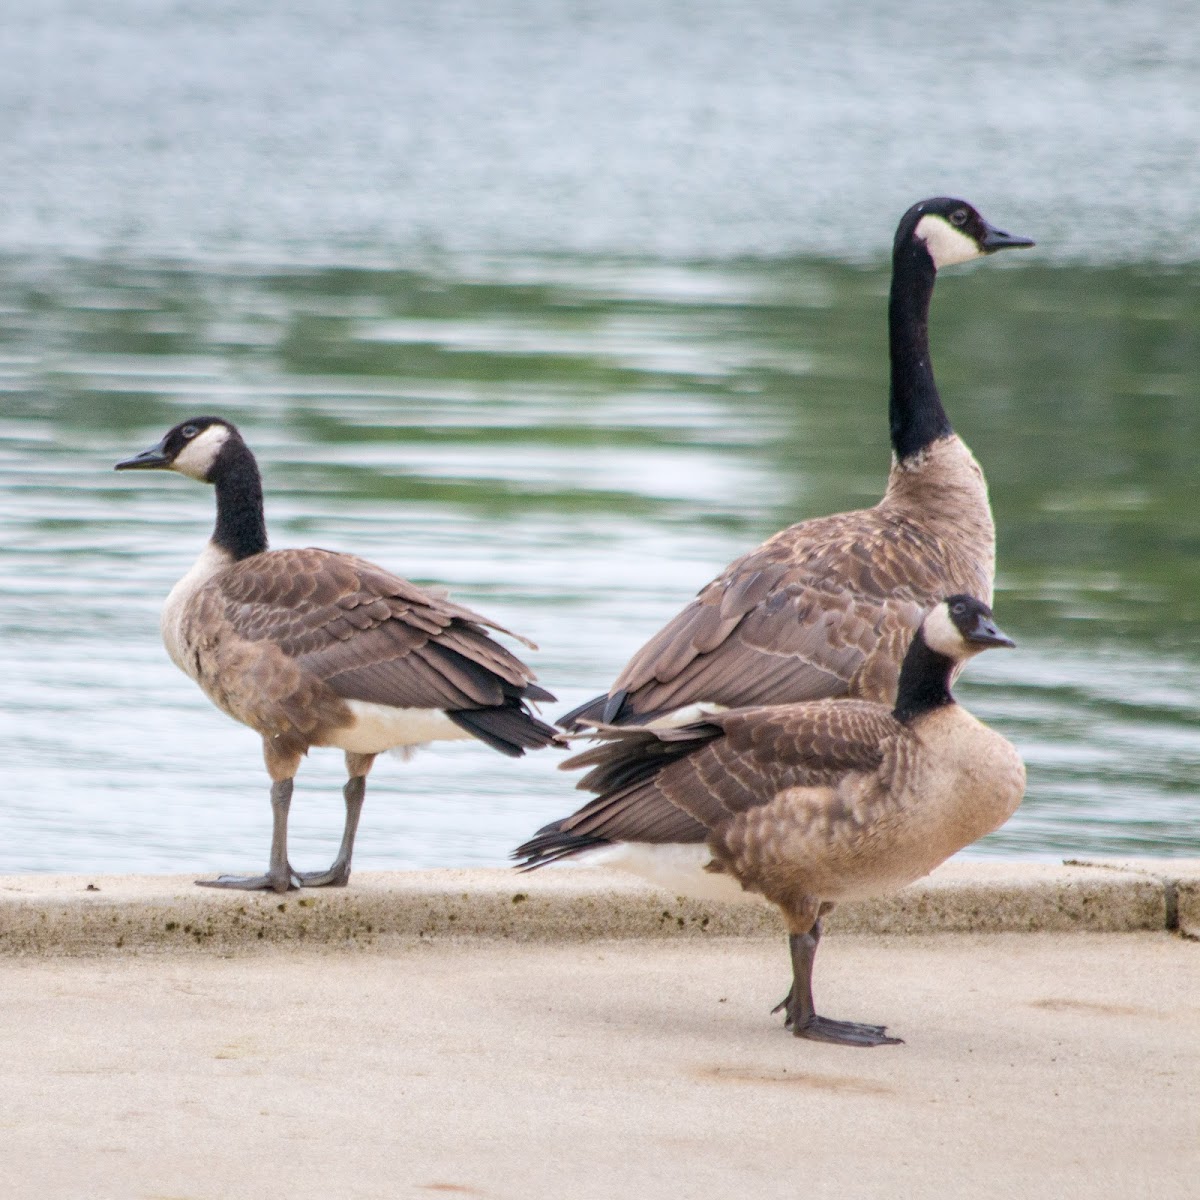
x,y
587,441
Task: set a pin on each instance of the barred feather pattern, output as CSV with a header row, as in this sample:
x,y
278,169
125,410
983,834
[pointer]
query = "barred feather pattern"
x,y
806,804
825,608
281,640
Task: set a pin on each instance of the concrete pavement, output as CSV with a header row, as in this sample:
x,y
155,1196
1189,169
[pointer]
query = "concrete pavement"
x,y
527,1065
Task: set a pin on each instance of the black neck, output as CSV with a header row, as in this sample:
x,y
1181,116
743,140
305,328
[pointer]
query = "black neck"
x,y
241,527
915,409
924,681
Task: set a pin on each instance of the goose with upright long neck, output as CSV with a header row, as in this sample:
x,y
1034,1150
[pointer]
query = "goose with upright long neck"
x,y
315,648
827,608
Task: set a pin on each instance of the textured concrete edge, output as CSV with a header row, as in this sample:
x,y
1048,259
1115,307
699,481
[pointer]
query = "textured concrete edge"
x,y
74,915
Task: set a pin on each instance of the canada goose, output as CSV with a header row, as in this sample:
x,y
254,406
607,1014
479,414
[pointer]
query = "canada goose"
x,y
827,607
313,648
805,804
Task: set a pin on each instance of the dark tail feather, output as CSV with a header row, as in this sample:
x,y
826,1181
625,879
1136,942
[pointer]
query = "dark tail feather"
x,y
629,755
550,844
600,710
624,760
587,712
510,728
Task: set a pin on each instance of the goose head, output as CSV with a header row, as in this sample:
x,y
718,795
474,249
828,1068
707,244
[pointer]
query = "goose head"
x,y
952,231
193,448
960,627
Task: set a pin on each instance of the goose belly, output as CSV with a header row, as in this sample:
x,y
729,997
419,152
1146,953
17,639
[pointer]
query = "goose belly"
x,y
677,867
375,728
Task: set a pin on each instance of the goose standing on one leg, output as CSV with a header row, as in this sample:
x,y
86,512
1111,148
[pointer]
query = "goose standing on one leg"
x,y
827,607
806,804
314,648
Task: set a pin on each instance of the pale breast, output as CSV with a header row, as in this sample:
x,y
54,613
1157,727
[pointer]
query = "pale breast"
x,y
972,776
949,783
964,782
181,631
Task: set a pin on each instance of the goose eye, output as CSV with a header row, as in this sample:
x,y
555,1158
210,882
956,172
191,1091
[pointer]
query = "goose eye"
x,y
958,216
189,431
958,609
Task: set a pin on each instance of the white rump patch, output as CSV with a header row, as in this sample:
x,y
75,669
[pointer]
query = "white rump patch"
x,y
196,458
380,727
687,715
942,635
678,867
946,245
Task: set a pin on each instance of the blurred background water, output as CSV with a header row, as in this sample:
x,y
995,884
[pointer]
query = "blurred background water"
x,y
565,305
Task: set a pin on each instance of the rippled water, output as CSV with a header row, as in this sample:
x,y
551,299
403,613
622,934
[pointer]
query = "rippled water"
x,y
477,290
575,447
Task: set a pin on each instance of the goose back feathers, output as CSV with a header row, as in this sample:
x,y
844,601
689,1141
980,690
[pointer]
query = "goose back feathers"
x,y
823,608
292,642
832,799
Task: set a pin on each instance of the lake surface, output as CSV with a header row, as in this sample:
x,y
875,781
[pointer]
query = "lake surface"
x,y
564,310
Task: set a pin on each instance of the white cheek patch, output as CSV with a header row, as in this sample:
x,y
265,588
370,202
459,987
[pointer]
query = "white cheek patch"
x,y
941,635
197,457
946,245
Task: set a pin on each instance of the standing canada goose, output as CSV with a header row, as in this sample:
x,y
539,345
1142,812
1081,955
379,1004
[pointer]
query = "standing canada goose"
x,y
313,648
827,607
805,804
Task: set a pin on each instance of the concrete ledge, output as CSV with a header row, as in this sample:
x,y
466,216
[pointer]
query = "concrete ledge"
x,y
72,915
1179,877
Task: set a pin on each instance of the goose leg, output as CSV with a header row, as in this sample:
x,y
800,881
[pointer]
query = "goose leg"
x,y
279,876
338,875
802,1018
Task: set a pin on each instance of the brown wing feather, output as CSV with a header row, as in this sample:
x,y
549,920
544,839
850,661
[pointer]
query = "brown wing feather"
x,y
368,634
680,785
824,608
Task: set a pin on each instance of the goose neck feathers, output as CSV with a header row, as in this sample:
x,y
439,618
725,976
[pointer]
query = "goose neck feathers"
x,y
944,486
925,677
915,413
934,233
241,528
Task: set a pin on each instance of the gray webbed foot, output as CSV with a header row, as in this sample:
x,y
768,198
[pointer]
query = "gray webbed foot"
x,y
279,877
824,1029
253,883
336,876
843,1033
